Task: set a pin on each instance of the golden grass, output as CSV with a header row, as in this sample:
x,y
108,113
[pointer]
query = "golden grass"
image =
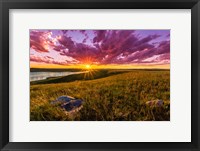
x,y
113,98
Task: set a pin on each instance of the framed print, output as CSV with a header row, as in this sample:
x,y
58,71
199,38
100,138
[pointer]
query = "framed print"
x,y
96,75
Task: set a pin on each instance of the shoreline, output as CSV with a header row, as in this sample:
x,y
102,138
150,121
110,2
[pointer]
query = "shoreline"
x,y
51,77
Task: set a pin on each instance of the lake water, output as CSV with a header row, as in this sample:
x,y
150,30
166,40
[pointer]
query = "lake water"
x,y
34,76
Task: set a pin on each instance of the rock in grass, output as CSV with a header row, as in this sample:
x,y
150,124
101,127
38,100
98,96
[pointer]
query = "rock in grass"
x,y
63,99
68,103
155,103
73,104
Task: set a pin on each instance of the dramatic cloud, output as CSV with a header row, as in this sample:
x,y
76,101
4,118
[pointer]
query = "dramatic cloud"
x,y
103,46
41,41
46,59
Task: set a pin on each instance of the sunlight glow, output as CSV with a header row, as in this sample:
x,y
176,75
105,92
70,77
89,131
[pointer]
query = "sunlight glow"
x,y
87,66
93,67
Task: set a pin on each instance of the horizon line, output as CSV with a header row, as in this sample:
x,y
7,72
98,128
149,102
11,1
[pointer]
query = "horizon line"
x,y
83,66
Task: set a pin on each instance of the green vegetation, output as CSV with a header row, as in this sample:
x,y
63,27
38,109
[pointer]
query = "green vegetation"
x,y
109,95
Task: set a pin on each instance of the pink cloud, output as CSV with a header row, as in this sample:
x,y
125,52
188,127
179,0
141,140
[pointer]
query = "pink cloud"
x,y
46,59
40,40
108,46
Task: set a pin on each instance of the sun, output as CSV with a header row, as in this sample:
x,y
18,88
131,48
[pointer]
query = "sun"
x,y
87,66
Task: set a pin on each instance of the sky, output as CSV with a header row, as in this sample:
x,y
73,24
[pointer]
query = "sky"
x,y
100,48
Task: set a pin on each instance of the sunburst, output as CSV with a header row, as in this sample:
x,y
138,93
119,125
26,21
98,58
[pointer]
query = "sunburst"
x,y
89,71
87,66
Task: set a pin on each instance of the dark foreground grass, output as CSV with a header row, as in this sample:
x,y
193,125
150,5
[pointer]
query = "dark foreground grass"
x,y
117,97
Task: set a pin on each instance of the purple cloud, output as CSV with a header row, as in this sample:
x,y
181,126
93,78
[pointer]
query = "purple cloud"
x,y
46,59
106,47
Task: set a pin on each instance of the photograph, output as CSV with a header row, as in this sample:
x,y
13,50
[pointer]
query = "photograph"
x,y
99,74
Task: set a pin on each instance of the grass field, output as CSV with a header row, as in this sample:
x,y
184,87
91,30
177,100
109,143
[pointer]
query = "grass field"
x,y
109,95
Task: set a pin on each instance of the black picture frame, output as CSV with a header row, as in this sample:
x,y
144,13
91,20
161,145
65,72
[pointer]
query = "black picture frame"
x,y
5,5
